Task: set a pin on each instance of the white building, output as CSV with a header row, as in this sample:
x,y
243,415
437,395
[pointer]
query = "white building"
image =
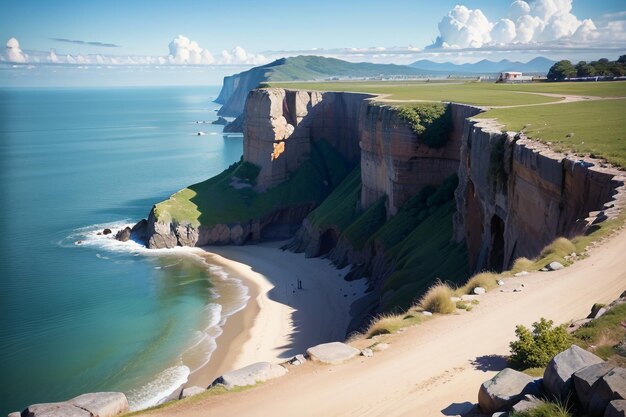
x,y
514,77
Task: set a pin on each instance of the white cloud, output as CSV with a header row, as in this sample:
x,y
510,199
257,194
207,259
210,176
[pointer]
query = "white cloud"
x,y
185,51
14,53
533,22
52,57
238,55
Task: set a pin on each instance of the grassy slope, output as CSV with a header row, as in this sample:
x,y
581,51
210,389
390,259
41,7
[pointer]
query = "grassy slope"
x,y
316,67
595,127
215,201
417,239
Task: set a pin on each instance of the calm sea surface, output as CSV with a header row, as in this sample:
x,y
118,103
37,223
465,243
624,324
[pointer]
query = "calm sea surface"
x,y
102,315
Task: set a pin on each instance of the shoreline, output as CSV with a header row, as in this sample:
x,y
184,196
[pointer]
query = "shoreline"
x,y
278,321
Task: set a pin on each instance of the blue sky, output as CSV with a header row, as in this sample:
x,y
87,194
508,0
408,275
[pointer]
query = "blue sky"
x,y
267,30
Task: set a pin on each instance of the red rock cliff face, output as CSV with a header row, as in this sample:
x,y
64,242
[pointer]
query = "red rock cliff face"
x,y
516,195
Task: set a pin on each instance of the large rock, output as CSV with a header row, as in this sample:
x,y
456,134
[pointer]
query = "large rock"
x,y
102,404
526,404
332,353
585,378
191,391
505,389
55,410
123,235
616,409
250,375
557,378
612,386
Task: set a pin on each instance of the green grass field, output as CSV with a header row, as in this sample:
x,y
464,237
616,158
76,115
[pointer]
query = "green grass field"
x,y
591,127
482,94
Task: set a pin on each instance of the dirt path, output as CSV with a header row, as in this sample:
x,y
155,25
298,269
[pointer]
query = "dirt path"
x,y
435,368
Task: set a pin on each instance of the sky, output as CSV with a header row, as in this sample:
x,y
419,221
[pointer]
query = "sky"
x,y
69,42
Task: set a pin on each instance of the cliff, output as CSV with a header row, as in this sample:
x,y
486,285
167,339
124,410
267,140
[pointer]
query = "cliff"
x,y
405,197
300,68
516,195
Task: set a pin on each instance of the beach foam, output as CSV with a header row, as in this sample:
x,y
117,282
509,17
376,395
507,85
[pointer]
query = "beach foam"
x,y
157,390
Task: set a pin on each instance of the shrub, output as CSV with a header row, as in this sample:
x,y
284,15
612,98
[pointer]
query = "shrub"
x,y
438,299
487,280
535,349
431,122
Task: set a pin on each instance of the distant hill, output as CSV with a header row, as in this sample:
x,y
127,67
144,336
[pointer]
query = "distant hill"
x,y
537,65
303,68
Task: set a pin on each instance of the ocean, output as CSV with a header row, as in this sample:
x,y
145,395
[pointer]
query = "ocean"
x,y
103,315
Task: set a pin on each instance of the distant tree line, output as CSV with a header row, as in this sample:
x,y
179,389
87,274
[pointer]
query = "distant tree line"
x,y
600,68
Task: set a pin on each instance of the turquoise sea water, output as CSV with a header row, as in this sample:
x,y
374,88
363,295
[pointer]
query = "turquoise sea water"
x,y
102,315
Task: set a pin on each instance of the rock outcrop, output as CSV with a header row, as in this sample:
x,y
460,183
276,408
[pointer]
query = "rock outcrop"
x,y
506,389
250,375
557,378
97,404
332,353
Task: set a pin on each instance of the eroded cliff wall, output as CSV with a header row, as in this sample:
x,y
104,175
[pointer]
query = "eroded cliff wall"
x,y
516,195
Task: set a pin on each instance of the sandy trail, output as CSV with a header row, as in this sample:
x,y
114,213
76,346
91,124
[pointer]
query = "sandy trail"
x,y
435,368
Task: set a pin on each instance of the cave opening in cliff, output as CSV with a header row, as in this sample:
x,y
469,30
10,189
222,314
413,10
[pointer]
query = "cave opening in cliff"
x,y
496,255
328,241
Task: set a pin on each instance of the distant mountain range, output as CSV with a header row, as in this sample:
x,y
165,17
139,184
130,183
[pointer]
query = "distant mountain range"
x,y
536,65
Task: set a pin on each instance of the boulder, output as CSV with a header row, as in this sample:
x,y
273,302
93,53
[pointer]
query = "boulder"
x,y
123,235
616,408
107,231
611,386
505,389
557,378
191,391
102,404
332,353
554,266
250,375
585,378
427,313
55,410
521,274
139,230
479,291
528,403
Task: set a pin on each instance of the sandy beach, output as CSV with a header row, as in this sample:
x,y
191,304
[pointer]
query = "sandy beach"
x,y
279,320
435,368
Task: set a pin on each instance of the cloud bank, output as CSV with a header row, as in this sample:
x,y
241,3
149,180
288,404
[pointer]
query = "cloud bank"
x,y
182,51
528,23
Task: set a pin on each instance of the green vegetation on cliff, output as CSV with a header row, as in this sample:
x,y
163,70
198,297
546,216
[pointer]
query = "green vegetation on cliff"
x,y
431,122
230,198
417,240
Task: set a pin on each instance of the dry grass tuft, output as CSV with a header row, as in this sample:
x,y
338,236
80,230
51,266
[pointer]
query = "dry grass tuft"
x,y
438,299
487,280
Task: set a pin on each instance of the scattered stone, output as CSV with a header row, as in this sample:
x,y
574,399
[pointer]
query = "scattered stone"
x,y
427,313
616,408
107,231
55,410
544,269
297,360
380,346
505,389
557,378
517,290
500,282
620,349
123,235
367,352
611,386
528,403
585,378
521,274
332,353
575,325
250,375
191,391
102,404
554,266
479,291
573,254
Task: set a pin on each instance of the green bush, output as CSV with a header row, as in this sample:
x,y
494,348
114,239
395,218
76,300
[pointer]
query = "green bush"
x,y
431,122
535,348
